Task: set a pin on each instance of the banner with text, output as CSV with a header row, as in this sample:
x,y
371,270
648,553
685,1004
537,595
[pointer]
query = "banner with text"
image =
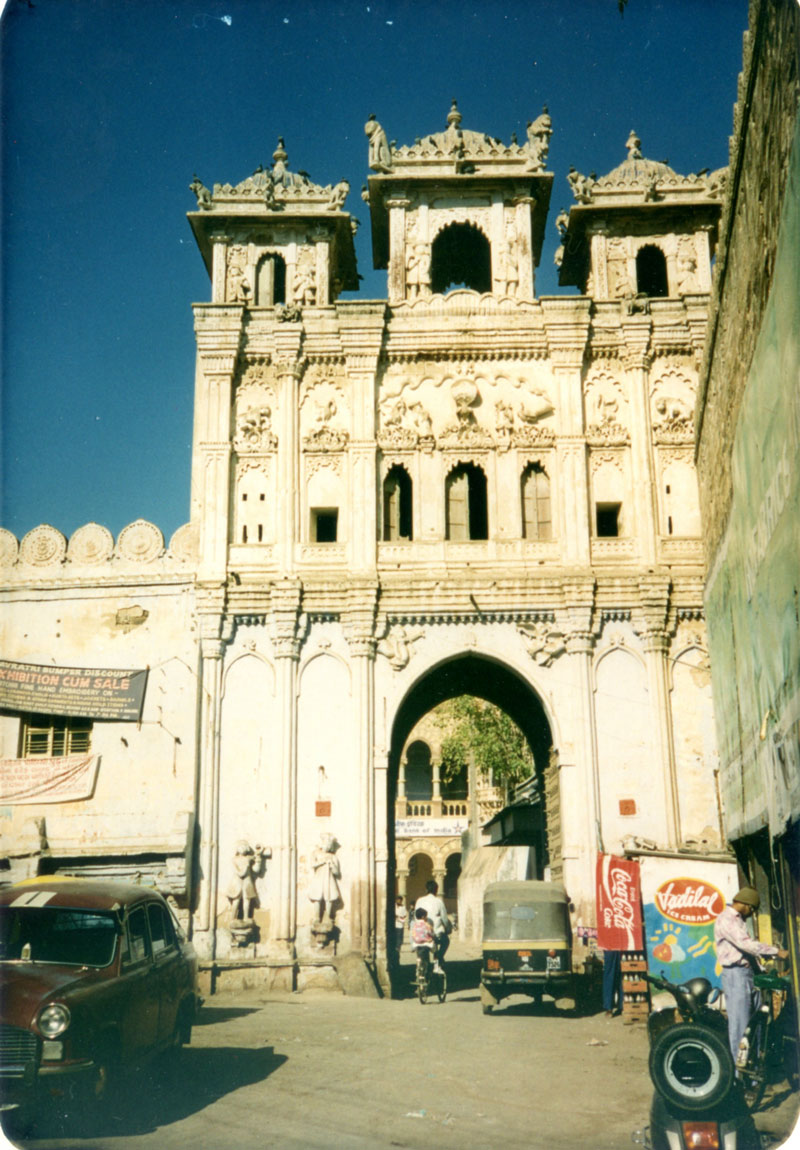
x,y
76,691
430,827
61,780
619,911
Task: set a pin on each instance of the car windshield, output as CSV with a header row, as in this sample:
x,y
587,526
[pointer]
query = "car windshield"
x,y
529,920
63,935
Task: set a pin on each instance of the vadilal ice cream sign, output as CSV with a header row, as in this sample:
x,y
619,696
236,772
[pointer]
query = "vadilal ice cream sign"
x,y
680,909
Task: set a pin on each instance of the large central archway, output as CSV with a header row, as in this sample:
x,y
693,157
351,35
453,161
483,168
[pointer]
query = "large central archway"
x,y
467,674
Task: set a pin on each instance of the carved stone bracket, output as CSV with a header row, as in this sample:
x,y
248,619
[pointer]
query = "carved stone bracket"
x,y
287,636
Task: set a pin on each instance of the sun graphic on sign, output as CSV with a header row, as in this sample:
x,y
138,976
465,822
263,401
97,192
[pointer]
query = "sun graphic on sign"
x,y
667,946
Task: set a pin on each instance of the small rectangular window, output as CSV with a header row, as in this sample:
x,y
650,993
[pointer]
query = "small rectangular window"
x,y
51,736
608,520
324,524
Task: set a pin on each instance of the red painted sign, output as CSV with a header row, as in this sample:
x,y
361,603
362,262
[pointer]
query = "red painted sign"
x,y
619,909
689,901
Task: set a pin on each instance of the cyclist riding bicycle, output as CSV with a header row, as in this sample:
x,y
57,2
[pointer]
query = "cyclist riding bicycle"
x,y
437,914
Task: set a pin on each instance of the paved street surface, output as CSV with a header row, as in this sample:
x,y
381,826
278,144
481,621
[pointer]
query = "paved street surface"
x,y
316,1071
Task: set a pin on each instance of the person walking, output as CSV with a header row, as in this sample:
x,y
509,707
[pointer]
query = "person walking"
x,y
400,920
437,913
737,953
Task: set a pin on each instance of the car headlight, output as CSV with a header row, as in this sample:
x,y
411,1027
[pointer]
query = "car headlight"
x,y
53,1019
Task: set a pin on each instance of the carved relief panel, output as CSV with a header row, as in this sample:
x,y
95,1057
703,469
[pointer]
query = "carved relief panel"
x,y
476,408
606,411
324,410
672,402
255,410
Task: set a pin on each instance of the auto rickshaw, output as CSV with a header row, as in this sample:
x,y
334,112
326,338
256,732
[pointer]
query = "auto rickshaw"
x,y
527,942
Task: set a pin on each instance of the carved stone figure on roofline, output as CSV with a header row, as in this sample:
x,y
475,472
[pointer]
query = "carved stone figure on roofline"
x,y
539,132
380,158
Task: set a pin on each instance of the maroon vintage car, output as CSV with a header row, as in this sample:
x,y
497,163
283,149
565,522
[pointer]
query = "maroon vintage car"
x,y
94,977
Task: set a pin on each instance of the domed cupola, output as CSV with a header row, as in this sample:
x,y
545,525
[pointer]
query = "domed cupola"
x,y
458,208
643,230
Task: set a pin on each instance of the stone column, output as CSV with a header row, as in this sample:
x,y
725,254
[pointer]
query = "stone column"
x,y
650,622
524,206
636,333
397,248
599,262
359,626
219,266
323,269
285,610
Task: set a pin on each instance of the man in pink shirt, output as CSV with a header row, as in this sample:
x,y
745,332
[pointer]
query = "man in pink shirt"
x,y
737,952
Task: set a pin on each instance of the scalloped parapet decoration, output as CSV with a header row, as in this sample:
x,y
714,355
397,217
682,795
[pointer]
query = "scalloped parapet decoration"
x,y
90,545
185,544
141,542
638,180
9,548
92,552
466,149
274,188
43,547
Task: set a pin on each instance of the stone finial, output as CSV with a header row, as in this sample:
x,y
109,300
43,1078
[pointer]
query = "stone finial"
x,y
453,116
634,146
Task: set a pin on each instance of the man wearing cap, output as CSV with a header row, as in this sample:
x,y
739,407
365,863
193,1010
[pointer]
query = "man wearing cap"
x,y
737,950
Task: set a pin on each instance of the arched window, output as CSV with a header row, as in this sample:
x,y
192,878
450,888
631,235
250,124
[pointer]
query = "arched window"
x,y
651,271
461,257
465,493
419,773
271,280
397,515
456,787
536,512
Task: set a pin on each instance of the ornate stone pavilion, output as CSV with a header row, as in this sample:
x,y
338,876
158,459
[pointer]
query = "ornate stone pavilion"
x,y
462,489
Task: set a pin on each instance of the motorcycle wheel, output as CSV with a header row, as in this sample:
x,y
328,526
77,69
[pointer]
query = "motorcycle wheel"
x,y
691,1067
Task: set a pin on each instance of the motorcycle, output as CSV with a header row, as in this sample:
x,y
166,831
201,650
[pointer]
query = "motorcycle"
x,y
698,1103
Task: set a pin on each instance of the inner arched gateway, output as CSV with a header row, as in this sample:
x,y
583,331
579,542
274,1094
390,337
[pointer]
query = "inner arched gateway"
x,y
444,825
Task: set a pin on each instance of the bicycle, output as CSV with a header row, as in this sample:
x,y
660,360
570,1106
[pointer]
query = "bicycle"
x,y
768,1048
428,980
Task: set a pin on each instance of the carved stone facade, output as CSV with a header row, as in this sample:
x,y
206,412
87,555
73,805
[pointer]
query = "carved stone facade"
x,y
464,490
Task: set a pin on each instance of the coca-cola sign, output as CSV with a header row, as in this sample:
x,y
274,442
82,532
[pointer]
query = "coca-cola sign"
x,y
689,900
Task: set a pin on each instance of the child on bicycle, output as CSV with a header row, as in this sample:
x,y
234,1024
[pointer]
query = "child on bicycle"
x,y
422,932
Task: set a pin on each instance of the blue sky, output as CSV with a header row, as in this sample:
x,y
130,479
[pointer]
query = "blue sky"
x,y
111,106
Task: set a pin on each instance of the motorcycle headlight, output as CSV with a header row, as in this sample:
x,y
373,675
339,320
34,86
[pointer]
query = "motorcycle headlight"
x,y
53,1019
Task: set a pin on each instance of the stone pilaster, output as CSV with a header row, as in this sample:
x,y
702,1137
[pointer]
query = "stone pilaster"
x,y
579,778
650,622
285,605
567,327
214,635
289,366
359,627
636,335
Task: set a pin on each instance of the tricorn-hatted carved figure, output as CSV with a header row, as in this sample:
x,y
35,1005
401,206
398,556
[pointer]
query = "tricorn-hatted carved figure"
x,y
324,889
249,863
